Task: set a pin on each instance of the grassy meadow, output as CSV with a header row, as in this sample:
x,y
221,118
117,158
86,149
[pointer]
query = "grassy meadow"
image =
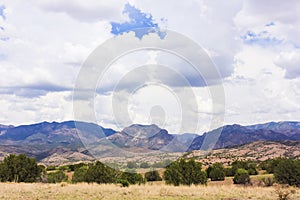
x,y
158,190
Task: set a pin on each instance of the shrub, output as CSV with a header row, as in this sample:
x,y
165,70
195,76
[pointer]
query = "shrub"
x,y
216,172
51,168
100,173
270,165
57,177
19,168
241,177
229,171
80,174
132,165
247,165
73,167
268,181
288,172
144,165
132,178
185,173
152,176
64,168
124,183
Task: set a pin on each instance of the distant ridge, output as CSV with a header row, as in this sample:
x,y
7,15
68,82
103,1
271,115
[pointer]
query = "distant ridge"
x,y
60,142
236,134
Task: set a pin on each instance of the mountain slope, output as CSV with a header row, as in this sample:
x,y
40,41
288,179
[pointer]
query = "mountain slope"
x,y
45,133
258,151
230,135
49,140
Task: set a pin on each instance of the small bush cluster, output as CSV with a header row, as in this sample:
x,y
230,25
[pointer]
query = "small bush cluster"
x,y
241,177
56,177
152,176
216,172
101,173
185,172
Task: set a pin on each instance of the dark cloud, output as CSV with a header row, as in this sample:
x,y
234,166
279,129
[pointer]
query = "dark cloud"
x,y
33,90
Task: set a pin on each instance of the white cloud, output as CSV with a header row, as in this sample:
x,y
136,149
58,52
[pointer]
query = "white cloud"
x,y
290,61
258,91
45,47
51,107
88,10
209,23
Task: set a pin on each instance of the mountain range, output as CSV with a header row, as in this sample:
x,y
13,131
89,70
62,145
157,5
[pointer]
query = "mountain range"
x,y
72,141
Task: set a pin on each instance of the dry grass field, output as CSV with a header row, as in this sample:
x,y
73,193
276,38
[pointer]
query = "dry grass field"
x,y
36,191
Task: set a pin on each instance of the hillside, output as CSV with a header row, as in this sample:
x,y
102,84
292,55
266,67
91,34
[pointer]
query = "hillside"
x,y
257,151
231,135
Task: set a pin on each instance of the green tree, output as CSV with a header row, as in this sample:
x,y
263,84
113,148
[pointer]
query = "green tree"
x,y
100,173
185,173
247,165
56,177
270,165
73,167
19,168
288,172
152,176
241,177
80,174
229,171
132,178
216,172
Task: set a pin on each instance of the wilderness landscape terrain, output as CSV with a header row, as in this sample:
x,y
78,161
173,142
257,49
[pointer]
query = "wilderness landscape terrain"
x,y
62,143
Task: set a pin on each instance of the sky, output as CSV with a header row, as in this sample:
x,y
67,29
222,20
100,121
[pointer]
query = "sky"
x,y
254,45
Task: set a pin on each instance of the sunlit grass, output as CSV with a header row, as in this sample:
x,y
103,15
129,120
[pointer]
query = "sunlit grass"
x,y
148,191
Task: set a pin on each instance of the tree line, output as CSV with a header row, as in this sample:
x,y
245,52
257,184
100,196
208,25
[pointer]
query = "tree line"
x,y
20,168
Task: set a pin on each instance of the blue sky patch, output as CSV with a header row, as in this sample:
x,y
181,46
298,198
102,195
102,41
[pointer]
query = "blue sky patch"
x,y
2,57
4,39
263,38
1,11
140,23
270,24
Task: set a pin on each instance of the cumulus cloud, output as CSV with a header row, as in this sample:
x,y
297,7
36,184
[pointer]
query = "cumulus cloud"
x,y
290,62
87,11
208,23
50,107
44,51
283,18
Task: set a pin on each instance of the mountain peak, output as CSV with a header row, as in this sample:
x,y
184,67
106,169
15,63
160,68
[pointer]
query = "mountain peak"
x,y
142,131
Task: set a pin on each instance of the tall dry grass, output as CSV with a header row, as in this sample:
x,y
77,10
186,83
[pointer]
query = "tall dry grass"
x,y
149,191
